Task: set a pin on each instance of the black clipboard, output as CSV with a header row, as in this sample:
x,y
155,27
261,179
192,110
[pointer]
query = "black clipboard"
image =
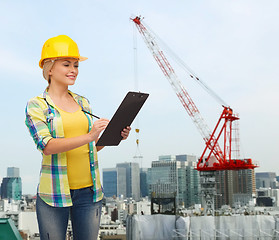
x,y
123,117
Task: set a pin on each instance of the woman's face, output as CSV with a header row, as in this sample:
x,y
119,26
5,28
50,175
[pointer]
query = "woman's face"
x,y
64,71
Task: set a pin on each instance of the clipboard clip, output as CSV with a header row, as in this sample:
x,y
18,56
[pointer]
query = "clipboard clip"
x,y
139,96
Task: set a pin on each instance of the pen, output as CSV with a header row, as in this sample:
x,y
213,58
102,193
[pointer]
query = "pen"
x,y
90,114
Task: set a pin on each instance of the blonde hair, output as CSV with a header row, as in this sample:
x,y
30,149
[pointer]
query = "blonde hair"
x,y
48,64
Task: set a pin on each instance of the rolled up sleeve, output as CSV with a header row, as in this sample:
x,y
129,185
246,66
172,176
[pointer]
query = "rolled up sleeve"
x,y
37,125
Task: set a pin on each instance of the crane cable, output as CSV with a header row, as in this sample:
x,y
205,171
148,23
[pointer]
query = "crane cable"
x,y
137,130
135,58
187,69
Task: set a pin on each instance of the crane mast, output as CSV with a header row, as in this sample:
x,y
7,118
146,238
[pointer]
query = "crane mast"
x,y
216,159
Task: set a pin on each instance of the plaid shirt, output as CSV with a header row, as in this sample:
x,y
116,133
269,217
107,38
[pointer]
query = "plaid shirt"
x,y
44,123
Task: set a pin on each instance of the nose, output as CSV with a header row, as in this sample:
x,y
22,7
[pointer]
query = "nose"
x,y
73,69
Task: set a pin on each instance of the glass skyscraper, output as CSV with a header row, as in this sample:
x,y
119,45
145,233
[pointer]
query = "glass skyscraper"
x,y
143,182
110,182
11,186
123,180
114,182
175,175
132,179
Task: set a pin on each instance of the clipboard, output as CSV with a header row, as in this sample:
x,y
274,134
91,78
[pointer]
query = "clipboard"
x,y
123,117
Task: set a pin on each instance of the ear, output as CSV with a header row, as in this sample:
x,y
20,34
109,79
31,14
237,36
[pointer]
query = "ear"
x,y
49,72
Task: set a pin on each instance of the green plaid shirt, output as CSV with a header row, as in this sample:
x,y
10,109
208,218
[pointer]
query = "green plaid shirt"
x,y
44,123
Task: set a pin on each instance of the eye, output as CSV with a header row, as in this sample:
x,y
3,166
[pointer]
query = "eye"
x,y
66,65
76,66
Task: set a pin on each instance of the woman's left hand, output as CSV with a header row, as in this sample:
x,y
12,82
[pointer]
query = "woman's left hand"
x,y
125,132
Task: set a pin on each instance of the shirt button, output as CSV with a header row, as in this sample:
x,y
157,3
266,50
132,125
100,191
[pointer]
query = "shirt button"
x,y
92,165
91,151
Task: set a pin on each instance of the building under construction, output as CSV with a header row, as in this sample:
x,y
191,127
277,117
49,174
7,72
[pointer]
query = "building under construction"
x,y
227,187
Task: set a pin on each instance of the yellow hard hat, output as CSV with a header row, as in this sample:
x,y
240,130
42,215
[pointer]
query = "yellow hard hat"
x,y
60,46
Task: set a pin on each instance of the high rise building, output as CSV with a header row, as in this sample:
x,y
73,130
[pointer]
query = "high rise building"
x,y
143,182
11,186
175,176
110,182
124,180
121,182
114,182
266,180
132,179
234,187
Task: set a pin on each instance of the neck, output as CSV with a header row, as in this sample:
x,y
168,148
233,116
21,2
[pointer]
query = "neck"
x,y
58,91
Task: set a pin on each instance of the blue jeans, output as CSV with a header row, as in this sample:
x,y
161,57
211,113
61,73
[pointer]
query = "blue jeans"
x,y
85,217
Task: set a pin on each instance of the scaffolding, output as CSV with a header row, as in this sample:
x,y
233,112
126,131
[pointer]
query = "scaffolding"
x,y
167,227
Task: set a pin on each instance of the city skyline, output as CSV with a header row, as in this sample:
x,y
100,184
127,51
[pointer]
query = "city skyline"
x,y
258,175
160,157
231,46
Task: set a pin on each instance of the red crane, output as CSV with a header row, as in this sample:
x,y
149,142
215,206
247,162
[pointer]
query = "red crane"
x,y
213,157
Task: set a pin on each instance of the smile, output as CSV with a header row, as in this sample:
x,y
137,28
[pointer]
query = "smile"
x,y
71,76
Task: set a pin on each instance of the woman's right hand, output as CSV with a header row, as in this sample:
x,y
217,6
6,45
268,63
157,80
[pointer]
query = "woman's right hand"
x,y
98,126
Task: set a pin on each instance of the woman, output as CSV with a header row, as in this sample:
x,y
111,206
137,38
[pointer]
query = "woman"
x,y
60,123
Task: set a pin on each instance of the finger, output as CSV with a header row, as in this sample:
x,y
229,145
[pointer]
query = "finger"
x,y
124,135
126,132
126,129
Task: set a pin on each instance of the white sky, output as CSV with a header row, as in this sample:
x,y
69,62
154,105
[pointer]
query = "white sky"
x,y
232,45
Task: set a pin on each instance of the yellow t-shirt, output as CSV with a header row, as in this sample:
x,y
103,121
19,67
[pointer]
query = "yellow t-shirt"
x,y
78,162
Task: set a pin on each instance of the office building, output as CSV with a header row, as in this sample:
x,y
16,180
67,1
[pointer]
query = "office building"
x,y
132,179
110,182
175,176
114,182
266,180
11,186
143,182
124,181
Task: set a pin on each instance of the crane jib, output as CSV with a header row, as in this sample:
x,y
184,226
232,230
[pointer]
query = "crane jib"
x,y
216,159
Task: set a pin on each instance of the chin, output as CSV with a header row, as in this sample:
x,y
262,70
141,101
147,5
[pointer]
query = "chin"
x,y
72,82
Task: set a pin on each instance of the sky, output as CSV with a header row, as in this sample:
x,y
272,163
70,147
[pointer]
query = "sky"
x,y
231,45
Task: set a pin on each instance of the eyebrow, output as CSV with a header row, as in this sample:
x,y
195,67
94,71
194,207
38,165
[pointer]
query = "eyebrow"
x,y
70,61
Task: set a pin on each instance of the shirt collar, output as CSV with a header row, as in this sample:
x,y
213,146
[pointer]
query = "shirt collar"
x,y
46,96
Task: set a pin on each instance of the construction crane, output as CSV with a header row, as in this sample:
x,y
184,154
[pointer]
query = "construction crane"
x,y
213,158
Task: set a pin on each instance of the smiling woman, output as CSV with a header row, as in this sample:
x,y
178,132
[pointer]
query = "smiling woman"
x,y
49,68
64,71
61,126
